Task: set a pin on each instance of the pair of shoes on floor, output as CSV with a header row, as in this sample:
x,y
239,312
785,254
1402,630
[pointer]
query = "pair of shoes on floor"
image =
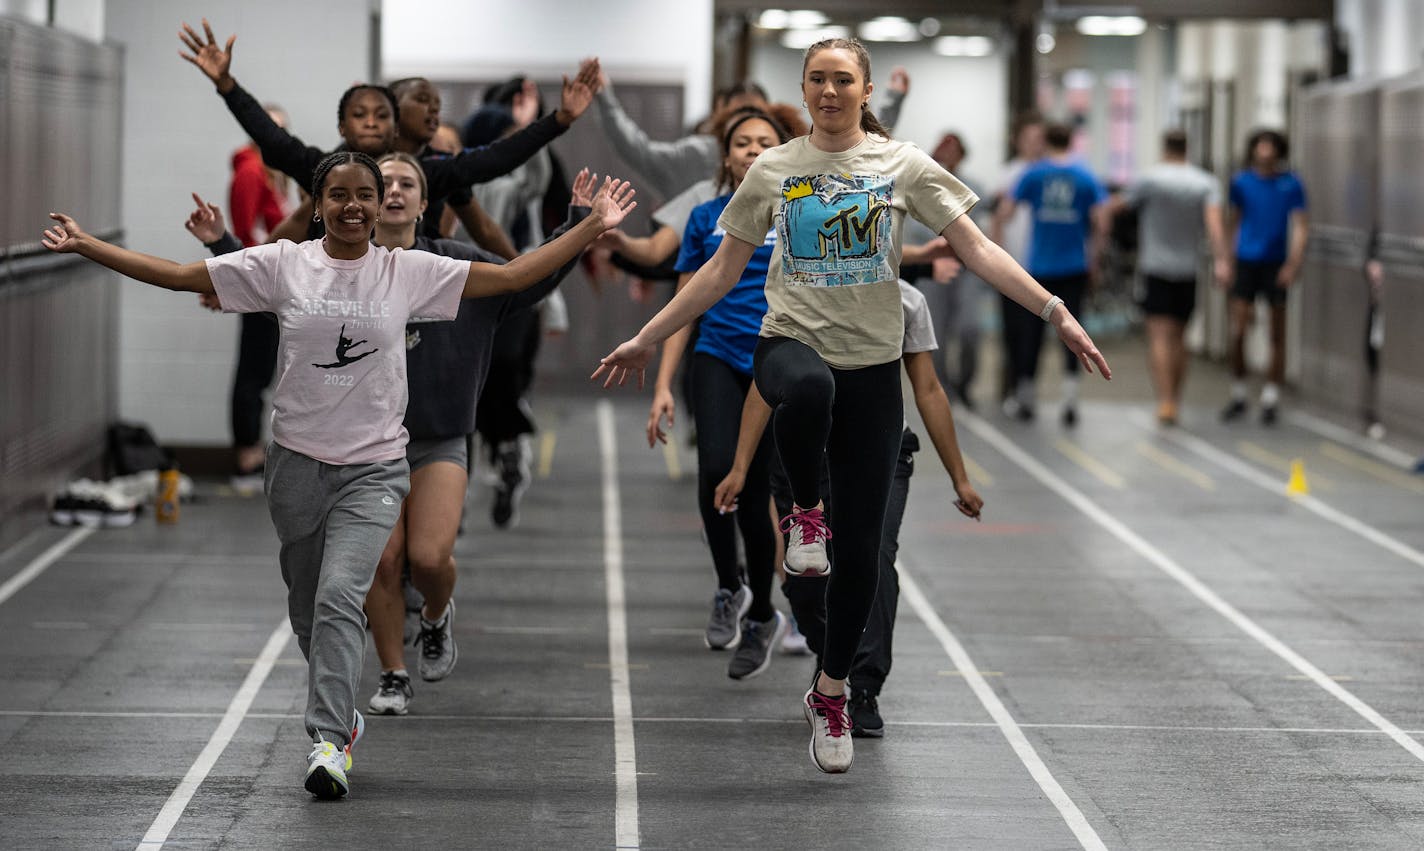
x,y
84,502
511,468
328,766
1236,410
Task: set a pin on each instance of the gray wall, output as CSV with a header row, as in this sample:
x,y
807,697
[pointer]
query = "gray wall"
x,y
175,359
60,107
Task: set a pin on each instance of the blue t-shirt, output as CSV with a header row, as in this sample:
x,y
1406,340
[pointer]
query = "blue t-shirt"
x,y
1062,197
1266,204
730,328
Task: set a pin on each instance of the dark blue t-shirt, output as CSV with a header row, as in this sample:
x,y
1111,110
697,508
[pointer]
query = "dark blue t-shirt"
x,y
1062,197
730,327
1266,204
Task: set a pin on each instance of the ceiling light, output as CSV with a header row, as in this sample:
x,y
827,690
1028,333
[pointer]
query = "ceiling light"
x,y
1111,25
929,27
802,39
780,19
889,29
1045,42
963,45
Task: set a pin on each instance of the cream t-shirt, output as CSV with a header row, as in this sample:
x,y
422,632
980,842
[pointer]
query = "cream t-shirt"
x,y
838,216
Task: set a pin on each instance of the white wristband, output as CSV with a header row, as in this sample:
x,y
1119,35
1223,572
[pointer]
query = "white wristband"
x,y
1047,312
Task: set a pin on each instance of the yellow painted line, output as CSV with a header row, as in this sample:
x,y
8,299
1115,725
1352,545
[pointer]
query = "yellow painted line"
x,y
980,673
1279,463
674,464
1173,465
1373,468
1097,468
547,441
977,475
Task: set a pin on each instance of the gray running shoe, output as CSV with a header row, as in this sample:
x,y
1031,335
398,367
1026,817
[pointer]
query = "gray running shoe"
x,y
393,697
759,639
724,628
437,647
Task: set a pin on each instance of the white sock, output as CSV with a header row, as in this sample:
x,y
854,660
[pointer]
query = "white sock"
x,y
401,672
1270,394
437,621
1238,391
1070,390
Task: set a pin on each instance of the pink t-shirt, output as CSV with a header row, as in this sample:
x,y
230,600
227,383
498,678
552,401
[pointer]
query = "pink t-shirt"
x,y
341,387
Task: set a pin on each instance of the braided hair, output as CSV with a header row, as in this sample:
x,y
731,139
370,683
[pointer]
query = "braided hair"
x,y
331,161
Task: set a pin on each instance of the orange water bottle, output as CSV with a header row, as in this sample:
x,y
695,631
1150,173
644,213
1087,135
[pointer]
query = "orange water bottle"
x,y
166,509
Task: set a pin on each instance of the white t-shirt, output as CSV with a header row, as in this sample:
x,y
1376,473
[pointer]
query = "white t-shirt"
x,y
341,385
832,281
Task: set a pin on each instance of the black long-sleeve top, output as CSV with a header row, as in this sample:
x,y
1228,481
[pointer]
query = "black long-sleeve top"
x,y
443,174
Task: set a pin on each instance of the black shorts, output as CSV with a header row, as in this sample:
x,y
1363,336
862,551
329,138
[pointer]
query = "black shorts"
x,y
1168,297
1258,280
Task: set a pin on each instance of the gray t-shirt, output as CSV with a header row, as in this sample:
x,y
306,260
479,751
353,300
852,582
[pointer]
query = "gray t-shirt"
x,y
919,325
675,213
1170,199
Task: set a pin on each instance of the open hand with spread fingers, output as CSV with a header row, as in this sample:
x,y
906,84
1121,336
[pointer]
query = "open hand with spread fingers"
x,y
213,60
629,358
614,202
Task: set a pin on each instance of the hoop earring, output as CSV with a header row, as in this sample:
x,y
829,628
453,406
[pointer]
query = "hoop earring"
x,y
316,217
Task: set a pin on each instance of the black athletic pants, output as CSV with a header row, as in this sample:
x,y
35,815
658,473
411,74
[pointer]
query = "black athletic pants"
x,y
1023,331
256,362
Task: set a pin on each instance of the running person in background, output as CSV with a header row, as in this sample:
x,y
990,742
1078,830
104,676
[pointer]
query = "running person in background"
x,y
721,372
808,594
1268,207
1013,236
336,471
1177,204
828,358
1069,227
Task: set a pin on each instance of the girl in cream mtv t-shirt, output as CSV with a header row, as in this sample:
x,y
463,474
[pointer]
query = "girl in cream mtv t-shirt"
x,y
827,360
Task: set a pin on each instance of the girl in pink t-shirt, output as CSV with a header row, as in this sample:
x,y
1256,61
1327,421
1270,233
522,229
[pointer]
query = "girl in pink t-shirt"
x,y
336,470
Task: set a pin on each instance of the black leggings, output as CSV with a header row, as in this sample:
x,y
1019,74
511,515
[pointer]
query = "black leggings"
x,y
854,417
502,413
1023,332
718,392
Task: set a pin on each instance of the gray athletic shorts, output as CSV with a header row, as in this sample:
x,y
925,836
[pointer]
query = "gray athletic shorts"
x,y
422,452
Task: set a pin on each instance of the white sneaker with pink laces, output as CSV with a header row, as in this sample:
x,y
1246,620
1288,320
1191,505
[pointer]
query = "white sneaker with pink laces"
x,y
832,748
806,536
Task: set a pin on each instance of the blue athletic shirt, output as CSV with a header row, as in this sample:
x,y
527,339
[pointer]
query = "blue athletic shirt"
x,y
1266,204
1062,197
730,328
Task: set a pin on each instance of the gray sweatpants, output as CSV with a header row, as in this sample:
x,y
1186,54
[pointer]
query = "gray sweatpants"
x,y
333,522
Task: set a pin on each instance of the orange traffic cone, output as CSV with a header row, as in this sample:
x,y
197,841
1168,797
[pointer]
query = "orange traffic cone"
x,y
1297,486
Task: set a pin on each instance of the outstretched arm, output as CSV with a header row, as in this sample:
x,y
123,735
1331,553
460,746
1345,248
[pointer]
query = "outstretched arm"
x,y
613,202
938,417
666,165
648,251
66,237
280,149
484,230
993,264
708,285
756,413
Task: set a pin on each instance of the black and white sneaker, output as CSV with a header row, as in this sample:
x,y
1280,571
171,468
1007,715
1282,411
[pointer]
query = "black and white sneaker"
x,y
394,694
511,462
95,504
865,720
437,646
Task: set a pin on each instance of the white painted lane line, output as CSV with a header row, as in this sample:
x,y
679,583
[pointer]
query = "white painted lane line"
x,y
1189,581
20,545
27,574
177,802
1330,431
1256,477
624,752
911,593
